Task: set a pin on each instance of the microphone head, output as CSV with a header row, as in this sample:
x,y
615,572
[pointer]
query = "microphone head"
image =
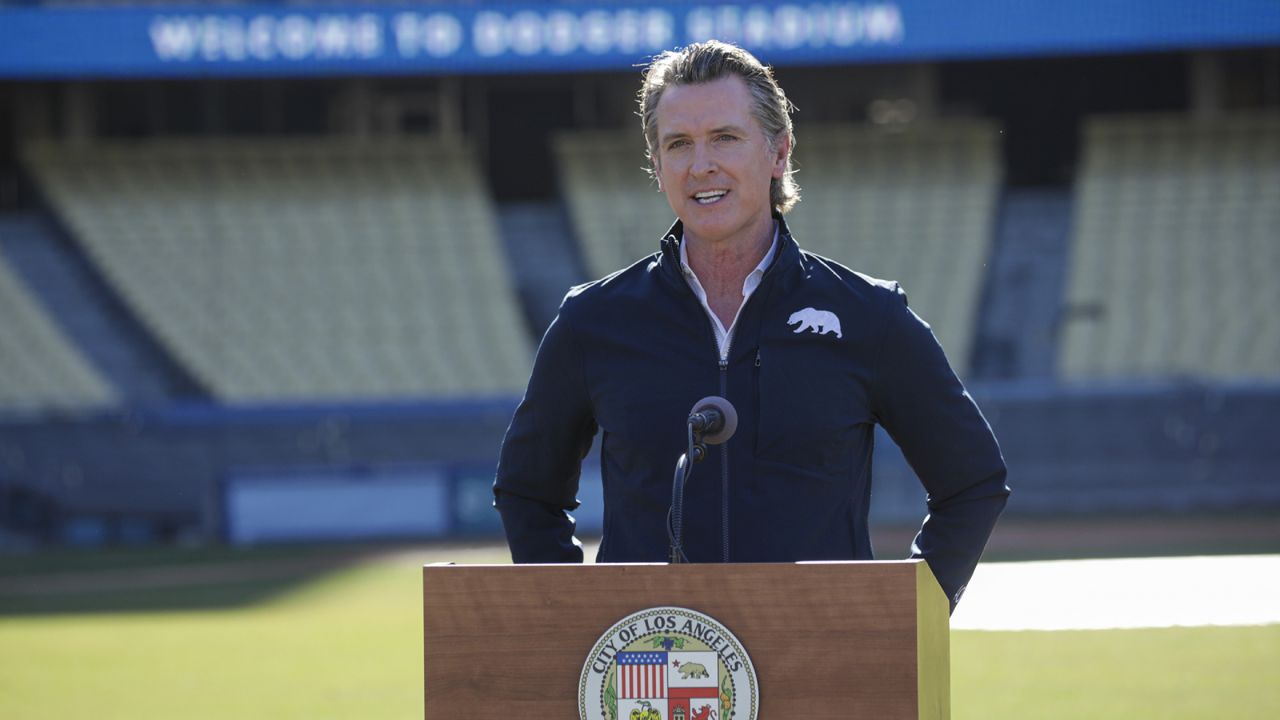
x,y
726,411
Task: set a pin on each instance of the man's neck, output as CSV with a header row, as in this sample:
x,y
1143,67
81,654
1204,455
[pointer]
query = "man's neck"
x,y
723,265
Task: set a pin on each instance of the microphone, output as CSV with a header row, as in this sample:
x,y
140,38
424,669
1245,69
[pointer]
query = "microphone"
x,y
714,419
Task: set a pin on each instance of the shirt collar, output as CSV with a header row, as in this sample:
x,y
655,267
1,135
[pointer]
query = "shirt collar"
x,y
753,278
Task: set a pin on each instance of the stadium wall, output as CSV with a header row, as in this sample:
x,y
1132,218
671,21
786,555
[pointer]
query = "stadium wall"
x,y
168,475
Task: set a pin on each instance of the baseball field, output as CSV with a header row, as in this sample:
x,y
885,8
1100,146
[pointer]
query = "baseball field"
x,y
326,632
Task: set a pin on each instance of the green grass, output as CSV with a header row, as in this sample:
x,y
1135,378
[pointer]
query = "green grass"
x,y
1169,674
346,643
342,645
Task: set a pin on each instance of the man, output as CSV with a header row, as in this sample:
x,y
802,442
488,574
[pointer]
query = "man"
x,y
812,355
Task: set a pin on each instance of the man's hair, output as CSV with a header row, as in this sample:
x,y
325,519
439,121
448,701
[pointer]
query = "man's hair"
x,y
712,60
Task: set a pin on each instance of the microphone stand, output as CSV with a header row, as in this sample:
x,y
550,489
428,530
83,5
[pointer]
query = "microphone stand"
x,y
675,516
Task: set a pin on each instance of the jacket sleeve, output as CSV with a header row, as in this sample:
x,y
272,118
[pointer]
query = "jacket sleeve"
x,y
541,459
926,410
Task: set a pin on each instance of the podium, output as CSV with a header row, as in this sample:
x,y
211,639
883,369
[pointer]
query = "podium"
x,y
827,639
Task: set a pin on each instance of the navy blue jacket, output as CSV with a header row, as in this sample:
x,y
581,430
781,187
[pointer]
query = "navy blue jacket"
x,y
630,355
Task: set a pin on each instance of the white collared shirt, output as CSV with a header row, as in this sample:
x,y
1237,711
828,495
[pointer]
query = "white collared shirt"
x,y
749,286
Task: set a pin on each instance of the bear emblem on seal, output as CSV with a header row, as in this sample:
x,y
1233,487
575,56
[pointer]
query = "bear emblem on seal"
x,y
691,670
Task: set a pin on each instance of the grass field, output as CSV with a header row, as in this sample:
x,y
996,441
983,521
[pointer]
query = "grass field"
x,y
335,633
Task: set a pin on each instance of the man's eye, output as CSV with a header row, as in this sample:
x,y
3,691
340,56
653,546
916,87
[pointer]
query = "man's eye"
x,y
726,138
676,144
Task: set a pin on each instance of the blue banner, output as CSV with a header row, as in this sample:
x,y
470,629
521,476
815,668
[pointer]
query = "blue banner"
x,y
444,38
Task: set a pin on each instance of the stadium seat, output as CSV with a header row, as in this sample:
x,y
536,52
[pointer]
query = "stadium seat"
x,y
1175,250
42,368
616,209
299,269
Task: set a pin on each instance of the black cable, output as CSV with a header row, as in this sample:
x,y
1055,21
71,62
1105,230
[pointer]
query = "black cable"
x,y
675,514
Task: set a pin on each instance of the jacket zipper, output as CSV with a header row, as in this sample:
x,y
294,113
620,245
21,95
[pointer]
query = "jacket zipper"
x,y
724,457
723,363
724,447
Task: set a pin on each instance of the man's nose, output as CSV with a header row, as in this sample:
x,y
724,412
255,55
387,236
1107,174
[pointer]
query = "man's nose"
x,y
703,162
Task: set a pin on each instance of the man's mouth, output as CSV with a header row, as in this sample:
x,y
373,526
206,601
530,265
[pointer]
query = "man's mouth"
x,y
708,197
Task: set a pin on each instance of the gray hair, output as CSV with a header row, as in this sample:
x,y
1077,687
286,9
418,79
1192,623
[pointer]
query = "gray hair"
x,y
712,60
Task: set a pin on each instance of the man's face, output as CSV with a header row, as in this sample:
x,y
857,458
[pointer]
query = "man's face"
x,y
713,160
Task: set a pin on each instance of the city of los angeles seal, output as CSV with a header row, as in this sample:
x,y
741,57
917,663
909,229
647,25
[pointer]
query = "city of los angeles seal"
x,y
668,663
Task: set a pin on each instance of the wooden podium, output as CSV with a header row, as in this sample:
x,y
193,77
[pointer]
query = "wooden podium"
x,y
828,640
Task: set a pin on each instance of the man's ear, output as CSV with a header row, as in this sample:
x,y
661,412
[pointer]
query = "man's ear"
x,y
782,155
657,176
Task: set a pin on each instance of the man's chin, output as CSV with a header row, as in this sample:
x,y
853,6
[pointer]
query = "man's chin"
x,y
705,232
705,227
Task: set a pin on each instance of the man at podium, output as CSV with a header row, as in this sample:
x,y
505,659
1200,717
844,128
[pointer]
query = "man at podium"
x,y
810,353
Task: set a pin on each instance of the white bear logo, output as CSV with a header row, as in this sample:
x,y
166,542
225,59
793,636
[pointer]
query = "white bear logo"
x,y
818,321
